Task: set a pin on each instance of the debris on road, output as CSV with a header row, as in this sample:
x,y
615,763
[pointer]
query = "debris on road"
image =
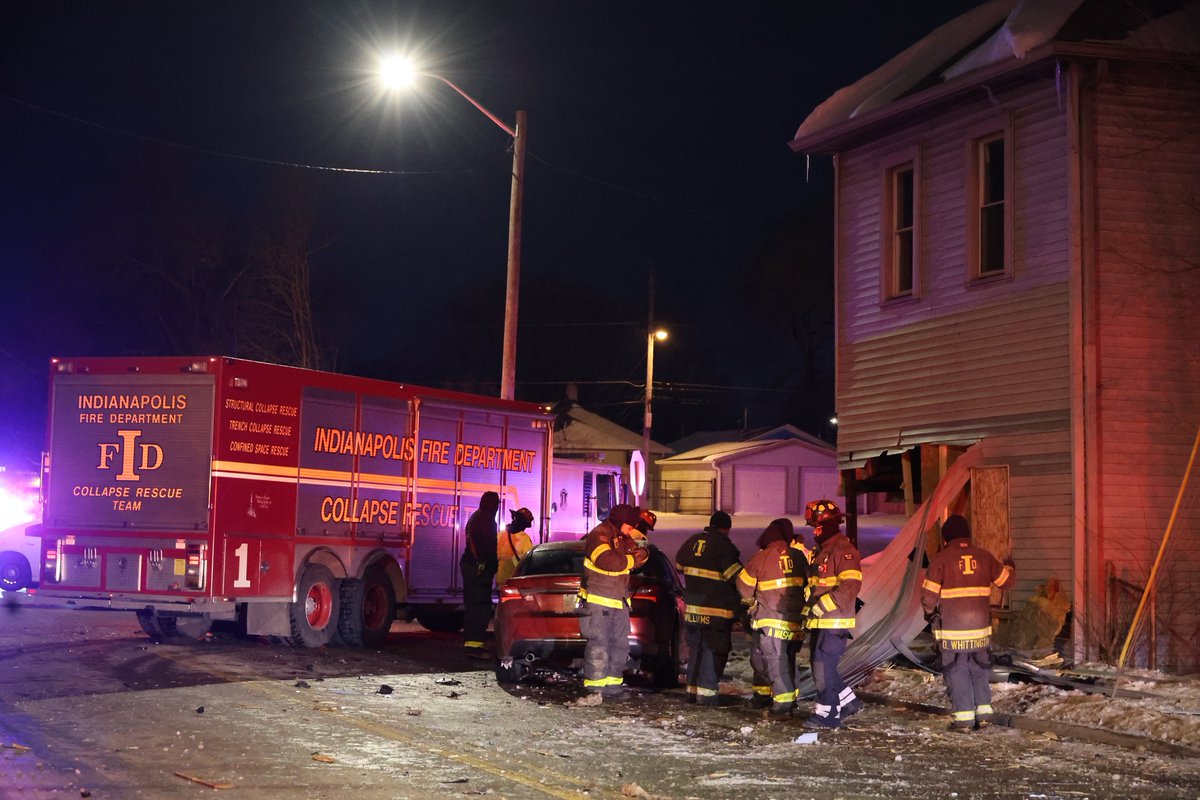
x,y
448,682
301,685
385,689
204,782
324,759
633,790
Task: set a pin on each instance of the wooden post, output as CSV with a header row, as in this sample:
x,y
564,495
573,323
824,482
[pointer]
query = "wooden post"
x,y
850,481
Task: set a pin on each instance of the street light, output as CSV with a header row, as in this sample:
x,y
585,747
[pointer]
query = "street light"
x,y
399,73
661,336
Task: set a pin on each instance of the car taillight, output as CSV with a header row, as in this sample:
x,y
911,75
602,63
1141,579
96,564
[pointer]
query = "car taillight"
x,y
646,593
509,593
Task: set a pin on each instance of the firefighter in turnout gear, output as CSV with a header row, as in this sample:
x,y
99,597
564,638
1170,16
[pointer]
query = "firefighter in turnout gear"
x,y
775,581
710,562
834,581
610,554
958,589
512,544
478,565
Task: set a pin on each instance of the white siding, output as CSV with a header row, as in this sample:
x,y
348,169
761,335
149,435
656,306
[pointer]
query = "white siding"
x,y
959,362
1040,507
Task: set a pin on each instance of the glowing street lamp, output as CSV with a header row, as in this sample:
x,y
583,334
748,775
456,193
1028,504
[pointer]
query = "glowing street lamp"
x,y
661,336
399,73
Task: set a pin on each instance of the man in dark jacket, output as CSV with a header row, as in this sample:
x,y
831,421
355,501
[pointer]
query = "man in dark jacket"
x,y
958,587
610,554
709,562
478,565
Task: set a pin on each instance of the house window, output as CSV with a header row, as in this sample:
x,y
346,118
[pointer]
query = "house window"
x,y
902,232
899,234
990,207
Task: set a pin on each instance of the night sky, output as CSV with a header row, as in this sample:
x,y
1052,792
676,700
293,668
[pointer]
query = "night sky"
x,y
153,152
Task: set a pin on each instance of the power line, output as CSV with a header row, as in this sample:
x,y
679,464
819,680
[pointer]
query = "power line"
x,y
219,154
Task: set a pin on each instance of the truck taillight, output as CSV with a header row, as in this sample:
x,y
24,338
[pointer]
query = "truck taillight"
x,y
53,563
196,567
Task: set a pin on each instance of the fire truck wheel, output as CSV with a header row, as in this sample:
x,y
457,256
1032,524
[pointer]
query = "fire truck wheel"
x,y
14,572
368,609
175,630
314,615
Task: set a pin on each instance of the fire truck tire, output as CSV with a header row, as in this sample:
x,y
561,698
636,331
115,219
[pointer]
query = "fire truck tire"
x,y
14,572
441,621
314,615
173,630
368,609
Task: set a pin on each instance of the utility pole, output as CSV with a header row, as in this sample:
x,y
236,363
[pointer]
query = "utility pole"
x,y
508,365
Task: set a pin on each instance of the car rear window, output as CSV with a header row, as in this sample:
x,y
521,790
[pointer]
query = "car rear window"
x,y
552,562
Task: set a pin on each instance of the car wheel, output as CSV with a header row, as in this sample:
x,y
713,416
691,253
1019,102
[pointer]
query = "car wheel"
x,y
14,572
314,614
513,673
666,665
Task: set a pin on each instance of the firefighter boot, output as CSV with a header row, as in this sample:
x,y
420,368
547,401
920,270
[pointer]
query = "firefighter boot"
x,y
760,700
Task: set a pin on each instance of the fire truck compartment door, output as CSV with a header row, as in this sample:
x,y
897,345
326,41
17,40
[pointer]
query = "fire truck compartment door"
x,y
257,567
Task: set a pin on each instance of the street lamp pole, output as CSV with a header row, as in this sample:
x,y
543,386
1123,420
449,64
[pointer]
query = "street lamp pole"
x,y
512,288
647,417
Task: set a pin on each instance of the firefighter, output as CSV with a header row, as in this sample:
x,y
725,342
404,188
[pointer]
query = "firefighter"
x,y
775,581
710,562
610,554
834,581
478,564
646,521
957,598
512,544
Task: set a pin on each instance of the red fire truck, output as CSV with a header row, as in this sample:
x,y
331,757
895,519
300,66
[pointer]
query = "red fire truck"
x,y
286,502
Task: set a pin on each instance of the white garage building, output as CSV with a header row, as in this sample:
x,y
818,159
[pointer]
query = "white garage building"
x,y
772,476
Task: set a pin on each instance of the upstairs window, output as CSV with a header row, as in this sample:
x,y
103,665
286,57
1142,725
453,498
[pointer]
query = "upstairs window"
x,y
990,207
899,234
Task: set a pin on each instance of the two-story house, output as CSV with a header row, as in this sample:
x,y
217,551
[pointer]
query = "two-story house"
x,y
1018,269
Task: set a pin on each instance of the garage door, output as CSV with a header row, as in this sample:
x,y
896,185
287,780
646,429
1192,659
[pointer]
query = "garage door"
x,y
818,484
759,490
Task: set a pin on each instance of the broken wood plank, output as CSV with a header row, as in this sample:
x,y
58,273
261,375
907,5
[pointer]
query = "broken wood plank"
x,y
204,782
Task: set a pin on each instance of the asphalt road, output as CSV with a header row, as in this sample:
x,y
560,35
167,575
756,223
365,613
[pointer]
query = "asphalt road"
x,y
90,707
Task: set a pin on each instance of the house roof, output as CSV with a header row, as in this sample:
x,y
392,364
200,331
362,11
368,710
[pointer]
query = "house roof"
x,y
995,34
720,451
702,438
578,429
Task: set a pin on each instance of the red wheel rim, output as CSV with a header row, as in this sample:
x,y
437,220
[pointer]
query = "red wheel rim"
x,y
318,605
375,610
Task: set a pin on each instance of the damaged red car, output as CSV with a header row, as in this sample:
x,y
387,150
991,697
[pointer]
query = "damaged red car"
x,y
537,621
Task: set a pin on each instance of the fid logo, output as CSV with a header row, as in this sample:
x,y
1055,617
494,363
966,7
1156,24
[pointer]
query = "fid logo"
x,y
128,452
